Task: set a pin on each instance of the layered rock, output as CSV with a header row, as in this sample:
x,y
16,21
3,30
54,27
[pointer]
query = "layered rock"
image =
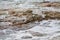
x,y
52,15
19,17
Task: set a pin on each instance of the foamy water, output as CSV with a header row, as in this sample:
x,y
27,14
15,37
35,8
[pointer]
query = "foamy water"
x,y
44,30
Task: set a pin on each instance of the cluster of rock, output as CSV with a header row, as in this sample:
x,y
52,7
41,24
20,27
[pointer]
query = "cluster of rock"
x,y
23,17
18,17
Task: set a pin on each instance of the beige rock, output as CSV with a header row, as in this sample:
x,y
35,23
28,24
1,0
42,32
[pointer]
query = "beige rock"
x,y
52,15
55,4
45,4
48,4
3,12
24,16
20,17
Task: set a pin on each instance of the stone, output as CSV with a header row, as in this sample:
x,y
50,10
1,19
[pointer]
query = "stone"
x,y
49,4
55,4
52,15
45,4
20,18
25,16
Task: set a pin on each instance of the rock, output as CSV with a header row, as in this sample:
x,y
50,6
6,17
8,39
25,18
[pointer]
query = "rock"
x,y
52,15
17,18
3,12
37,17
45,4
49,4
55,4
25,16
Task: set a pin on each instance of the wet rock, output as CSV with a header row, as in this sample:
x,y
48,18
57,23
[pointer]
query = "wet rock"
x,y
26,37
52,15
49,4
42,4
21,18
3,12
25,16
45,4
55,4
37,17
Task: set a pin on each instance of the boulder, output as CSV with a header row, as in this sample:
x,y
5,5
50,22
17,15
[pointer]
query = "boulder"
x,y
24,16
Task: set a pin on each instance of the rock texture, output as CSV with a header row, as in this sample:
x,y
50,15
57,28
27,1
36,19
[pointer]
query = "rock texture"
x,y
18,18
25,16
52,15
48,4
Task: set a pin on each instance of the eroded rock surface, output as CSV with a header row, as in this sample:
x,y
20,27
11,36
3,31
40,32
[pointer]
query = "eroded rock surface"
x,y
52,15
25,16
18,18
